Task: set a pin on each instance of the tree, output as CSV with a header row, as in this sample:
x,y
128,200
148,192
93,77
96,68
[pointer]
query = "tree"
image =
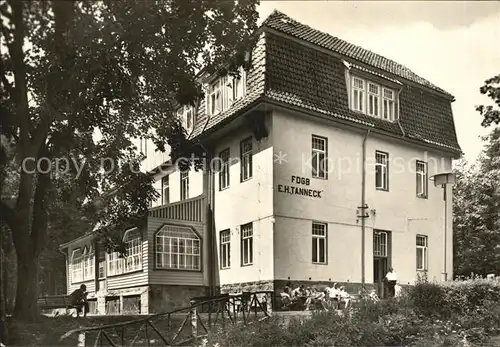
x,y
477,212
72,70
491,88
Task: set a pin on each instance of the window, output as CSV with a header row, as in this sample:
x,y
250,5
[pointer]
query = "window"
x,y
247,244
88,263
133,245
214,98
184,185
177,248
165,190
225,249
246,159
380,244
186,116
115,264
421,179
381,171
319,158
388,104
77,266
373,99
235,88
319,243
358,94
102,263
224,169
421,252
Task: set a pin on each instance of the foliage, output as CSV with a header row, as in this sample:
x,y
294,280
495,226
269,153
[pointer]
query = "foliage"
x,y
410,321
80,81
476,206
491,88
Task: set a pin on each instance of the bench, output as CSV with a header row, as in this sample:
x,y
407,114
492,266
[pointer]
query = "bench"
x,y
55,302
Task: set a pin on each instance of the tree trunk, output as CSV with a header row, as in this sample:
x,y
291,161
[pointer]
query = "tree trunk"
x,y
26,307
3,306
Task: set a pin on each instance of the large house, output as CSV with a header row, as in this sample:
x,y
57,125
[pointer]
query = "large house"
x,y
324,152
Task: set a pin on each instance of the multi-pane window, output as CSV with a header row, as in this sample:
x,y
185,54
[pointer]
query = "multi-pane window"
x,y
88,263
388,104
247,244
381,170
133,246
421,177
225,249
177,248
186,116
246,159
358,94
319,243
214,101
77,266
421,252
224,169
236,88
165,190
380,244
184,185
319,157
102,263
115,264
373,99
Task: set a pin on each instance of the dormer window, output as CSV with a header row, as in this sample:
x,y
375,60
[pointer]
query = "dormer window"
x,y
373,99
223,92
186,115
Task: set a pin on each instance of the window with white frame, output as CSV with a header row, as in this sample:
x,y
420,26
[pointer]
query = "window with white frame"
x,y
133,245
319,160
215,101
77,265
246,159
247,244
380,244
184,185
102,263
177,248
115,264
225,249
186,116
143,146
421,252
388,104
421,179
165,190
381,170
319,243
224,169
235,88
358,94
88,263
373,99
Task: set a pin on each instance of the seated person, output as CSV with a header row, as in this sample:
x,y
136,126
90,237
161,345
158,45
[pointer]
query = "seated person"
x,y
333,296
344,297
79,300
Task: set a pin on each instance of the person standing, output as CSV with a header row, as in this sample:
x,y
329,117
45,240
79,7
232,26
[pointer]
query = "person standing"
x,y
391,281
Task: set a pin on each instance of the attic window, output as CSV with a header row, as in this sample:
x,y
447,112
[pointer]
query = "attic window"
x,y
372,98
224,92
186,115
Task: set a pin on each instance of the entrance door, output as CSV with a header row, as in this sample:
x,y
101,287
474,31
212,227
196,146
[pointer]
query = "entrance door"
x,y
381,260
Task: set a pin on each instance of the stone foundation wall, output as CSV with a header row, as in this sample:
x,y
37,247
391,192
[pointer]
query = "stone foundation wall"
x,y
255,286
165,298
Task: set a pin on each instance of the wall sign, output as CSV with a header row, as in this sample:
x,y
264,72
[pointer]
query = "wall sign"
x,y
304,191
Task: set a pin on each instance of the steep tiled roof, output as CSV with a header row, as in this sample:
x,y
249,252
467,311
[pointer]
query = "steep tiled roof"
x,y
292,73
287,25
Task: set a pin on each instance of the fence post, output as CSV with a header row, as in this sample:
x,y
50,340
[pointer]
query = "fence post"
x,y
269,303
81,339
194,319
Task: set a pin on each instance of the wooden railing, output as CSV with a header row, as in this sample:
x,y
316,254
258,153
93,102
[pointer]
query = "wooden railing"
x,y
192,210
169,329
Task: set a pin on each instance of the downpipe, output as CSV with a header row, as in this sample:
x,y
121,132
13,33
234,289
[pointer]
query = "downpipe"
x,y
363,202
